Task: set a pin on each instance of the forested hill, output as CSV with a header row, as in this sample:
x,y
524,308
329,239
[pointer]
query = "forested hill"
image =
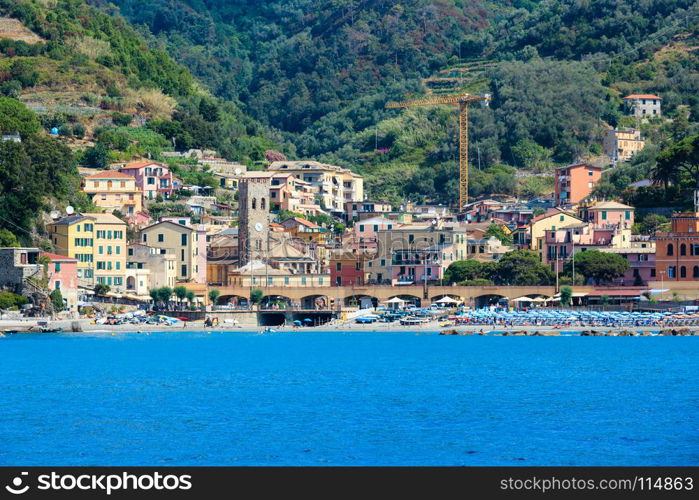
x,y
293,62
321,71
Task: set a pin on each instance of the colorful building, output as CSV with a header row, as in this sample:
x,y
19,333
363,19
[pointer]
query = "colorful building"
x,y
621,145
359,210
63,276
152,178
347,268
332,185
97,242
160,264
363,235
574,183
606,213
677,251
112,190
550,221
184,243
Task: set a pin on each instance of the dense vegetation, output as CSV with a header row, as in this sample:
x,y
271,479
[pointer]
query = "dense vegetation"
x,y
321,71
35,173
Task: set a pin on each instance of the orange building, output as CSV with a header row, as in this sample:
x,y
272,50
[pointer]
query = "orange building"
x,y
677,252
574,182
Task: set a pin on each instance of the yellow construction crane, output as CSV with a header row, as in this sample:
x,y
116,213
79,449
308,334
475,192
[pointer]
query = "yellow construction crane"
x,y
461,100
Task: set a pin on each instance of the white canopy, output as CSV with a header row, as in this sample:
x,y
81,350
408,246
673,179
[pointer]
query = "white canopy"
x,y
447,300
396,300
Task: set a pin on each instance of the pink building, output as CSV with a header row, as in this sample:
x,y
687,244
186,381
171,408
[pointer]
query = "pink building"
x,y
363,233
152,178
414,266
559,245
63,276
608,213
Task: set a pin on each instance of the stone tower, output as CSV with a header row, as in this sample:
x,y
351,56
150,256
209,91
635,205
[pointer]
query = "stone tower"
x,y
253,219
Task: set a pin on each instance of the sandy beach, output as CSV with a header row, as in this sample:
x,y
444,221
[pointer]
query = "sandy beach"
x,y
86,326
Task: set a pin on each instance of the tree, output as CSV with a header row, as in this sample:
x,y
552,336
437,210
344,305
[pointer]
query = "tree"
x,y
213,296
566,295
679,162
101,289
498,231
191,296
652,223
57,300
522,267
463,270
165,295
15,117
8,239
96,157
180,293
256,295
600,267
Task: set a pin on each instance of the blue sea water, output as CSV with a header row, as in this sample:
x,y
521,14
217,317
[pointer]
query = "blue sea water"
x,y
340,398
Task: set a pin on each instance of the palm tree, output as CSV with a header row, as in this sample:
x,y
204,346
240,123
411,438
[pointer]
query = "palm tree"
x,y
213,296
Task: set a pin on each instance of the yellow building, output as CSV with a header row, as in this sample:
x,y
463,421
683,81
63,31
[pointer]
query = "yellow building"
x,y
98,242
621,145
552,220
184,243
112,190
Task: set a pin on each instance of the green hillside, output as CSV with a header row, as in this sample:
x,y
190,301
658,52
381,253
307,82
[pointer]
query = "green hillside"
x,y
321,72
70,67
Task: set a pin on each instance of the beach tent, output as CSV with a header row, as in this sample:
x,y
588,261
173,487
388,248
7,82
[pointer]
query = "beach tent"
x,y
448,300
395,303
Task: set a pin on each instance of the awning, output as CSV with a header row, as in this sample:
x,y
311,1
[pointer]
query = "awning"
x,y
656,291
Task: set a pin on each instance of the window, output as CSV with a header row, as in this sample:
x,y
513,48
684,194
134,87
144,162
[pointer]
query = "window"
x,y
670,249
58,267
151,180
652,273
562,218
286,280
338,266
100,250
627,215
358,266
411,238
254,203
361,228
130,251
184,240
683,272
683,249
695,272
184,270
145,237
263,204
671,272
161,237
604,215
303,281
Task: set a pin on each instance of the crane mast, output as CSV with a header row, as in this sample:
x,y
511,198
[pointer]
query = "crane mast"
x,y
462,101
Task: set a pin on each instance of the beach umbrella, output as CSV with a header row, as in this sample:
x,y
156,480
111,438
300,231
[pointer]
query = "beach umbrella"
x,y
297,322
308,320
